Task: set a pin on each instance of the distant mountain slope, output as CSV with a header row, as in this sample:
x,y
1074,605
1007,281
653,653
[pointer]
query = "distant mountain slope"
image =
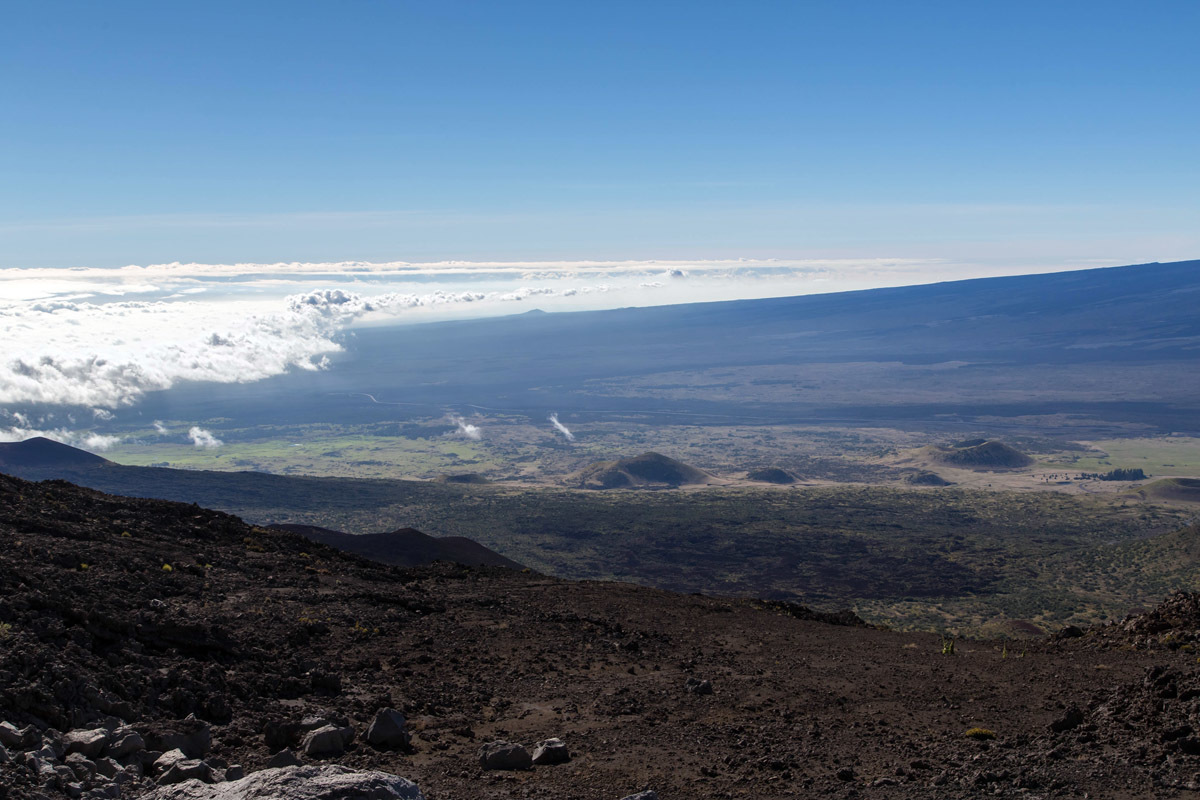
x,y
40,452
648,469
1109,344
405,547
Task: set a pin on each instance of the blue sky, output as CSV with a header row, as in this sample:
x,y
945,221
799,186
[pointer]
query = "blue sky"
x,y
1024,133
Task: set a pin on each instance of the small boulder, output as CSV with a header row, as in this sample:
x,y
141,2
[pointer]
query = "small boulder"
x,y
190,735
649,794
284,758
388,729
83,767
698,686
89,743
504,755
235,772
10,736
324,782
327,741
551,751
107,767
188,769
125,742
167,760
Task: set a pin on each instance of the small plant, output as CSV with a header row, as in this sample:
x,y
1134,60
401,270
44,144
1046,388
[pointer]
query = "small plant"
x,y
1004,652
168,568
979,734
947,645
5,630
126,535
83,567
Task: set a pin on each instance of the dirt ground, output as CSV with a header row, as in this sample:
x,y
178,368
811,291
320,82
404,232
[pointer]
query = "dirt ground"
x,y
250,628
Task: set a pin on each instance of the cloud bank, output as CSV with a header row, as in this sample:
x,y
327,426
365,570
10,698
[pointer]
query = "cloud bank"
x,y
101,339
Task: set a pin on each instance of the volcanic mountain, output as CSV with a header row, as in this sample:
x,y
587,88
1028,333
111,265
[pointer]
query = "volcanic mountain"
x,y
977,454
42,453
132,626
772,475
646,470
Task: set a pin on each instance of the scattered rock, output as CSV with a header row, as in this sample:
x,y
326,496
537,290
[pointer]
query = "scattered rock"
x,y
649,794
325,782
188,769
388,729
698,686
10,736
89,743
327,741
167,760
504,755
284,758
1072,719
125,742
551,751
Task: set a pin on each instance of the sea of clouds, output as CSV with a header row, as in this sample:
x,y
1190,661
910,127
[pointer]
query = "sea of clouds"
x,y
93,341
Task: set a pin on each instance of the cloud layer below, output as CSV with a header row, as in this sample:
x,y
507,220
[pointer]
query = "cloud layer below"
x,y
101,339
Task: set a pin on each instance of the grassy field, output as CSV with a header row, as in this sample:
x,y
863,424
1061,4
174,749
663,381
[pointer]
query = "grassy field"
x,y
1162,455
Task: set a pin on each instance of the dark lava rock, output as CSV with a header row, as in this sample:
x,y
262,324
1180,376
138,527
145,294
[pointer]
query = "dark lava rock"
x,y
503,755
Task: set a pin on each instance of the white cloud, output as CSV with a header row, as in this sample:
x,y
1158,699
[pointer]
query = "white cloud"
x,y
467,429
203,440
561,428
101,339
160,428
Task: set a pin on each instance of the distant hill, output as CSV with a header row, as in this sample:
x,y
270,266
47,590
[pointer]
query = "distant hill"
x,y
40,452
648,469
926,479
406,547
772,475
978,454
1176,490
466,477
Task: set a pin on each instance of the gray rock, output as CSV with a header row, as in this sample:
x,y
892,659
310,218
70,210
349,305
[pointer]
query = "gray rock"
x,y
551,751
284,758
83,767
504,755
31,738
190,735
388,729
10,736
325,782
235,772
649,794
107,767
73,789
188,769
124,743
697,686
327,741
168,760
89,743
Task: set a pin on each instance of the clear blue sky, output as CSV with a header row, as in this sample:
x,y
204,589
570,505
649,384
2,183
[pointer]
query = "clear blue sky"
x,y
212,131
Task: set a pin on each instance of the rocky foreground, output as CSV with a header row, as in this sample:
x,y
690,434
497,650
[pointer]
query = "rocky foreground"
x,y
158,649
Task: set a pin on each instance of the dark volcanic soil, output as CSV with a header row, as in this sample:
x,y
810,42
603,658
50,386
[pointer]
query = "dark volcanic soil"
x,y
251,627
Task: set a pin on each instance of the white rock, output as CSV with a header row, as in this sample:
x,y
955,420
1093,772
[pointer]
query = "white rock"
x,y
325,782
